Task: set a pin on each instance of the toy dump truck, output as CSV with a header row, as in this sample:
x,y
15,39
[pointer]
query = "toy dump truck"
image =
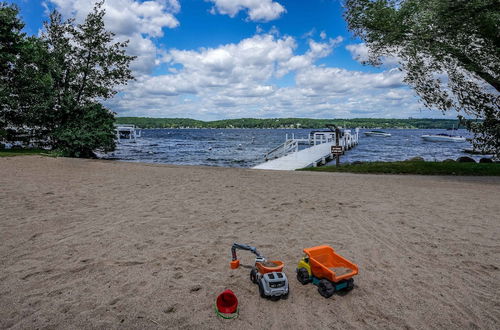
x,y
326,269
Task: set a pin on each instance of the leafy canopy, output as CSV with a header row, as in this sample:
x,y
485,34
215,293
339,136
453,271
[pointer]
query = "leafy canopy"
x,y
50,87
449,49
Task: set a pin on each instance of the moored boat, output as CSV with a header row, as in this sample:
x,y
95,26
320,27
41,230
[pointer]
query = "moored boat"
x,y
377,133
441,137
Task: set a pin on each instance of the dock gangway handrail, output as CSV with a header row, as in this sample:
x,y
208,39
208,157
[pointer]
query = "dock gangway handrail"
x,y
289,146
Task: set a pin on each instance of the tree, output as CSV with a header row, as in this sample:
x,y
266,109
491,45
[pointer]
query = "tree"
x,y
11,39
25,82
50,87
88,66
449,49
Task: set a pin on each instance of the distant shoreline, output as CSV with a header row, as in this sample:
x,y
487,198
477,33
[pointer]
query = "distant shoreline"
x,y
285,128
290,123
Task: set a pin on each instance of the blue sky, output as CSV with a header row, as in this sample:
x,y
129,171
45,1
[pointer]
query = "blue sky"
x,y
216,59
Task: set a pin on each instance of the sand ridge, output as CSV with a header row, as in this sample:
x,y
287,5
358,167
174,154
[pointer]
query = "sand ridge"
x,y
106,244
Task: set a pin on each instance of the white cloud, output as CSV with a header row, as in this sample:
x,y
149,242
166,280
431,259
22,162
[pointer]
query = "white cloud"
x,y
309,34
316,51
131,20
338,80
361,52
243,80
252,59
257,10
261,76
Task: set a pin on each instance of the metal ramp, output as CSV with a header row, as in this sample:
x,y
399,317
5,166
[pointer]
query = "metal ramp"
x,y
288,157
304,158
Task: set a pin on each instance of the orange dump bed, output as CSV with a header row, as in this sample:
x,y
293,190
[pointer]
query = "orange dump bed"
x,y
270,266
325,263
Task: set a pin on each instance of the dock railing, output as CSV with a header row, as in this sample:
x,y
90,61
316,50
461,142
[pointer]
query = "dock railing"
x,y
289,146
347,140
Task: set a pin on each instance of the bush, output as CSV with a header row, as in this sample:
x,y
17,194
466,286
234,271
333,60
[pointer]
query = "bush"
x,y
93,129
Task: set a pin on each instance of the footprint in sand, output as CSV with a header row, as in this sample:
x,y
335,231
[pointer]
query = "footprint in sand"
x,y
195,288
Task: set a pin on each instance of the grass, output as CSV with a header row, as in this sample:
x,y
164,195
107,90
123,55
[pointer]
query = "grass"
x,y
27,152
415,167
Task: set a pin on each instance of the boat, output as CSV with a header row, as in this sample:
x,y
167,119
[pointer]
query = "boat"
x,y
441,137
377,133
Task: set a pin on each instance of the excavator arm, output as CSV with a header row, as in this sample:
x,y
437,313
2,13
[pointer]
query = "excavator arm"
x,y
244,247
236,246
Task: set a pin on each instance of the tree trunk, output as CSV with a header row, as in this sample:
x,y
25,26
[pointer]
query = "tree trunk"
x,y
84,80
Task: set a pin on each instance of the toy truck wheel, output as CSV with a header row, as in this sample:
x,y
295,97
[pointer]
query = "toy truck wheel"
x,y
350,284
303,276
253,276
261,290
285,296
326,288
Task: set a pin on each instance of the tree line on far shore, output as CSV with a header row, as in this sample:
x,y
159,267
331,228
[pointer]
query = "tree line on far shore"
x,y
145,122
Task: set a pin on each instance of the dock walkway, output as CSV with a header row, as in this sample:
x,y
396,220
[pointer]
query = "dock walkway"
x,y
299,159
288,157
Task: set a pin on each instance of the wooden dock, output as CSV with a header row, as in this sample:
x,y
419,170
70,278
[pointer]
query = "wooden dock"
x,y
290,158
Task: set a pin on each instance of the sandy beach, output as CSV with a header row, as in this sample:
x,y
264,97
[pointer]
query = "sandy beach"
x,y
107,244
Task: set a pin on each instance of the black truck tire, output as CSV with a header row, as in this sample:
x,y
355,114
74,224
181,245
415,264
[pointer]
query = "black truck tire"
x,y
326,288
285,296
350,284
303,276
253,276
261,290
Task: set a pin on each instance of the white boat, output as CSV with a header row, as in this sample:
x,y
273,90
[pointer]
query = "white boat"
x,y
377,133
443,138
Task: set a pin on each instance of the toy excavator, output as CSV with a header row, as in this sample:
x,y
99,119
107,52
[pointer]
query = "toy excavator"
x,y
269,275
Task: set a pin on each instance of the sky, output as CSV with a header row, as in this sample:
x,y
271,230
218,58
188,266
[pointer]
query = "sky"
x,y
221,59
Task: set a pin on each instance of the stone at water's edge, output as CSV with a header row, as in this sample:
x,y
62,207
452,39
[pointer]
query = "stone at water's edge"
x,y
465,159
486,160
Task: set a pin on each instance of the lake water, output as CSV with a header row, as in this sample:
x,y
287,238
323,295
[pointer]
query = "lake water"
x,y
247,147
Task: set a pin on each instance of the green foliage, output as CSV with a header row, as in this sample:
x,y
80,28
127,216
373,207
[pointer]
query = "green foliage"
x,y
26,88
11,43
415,167
486,133
50,86
32,91
286,123
449,49
92,128
88,65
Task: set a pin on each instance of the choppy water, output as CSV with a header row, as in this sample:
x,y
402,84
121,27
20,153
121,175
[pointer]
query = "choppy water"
x,y
246,147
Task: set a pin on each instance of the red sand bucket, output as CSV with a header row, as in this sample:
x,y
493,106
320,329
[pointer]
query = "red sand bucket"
x,y
226,305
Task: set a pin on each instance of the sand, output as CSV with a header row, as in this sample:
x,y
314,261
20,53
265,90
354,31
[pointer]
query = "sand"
x,y
339,271
106,244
